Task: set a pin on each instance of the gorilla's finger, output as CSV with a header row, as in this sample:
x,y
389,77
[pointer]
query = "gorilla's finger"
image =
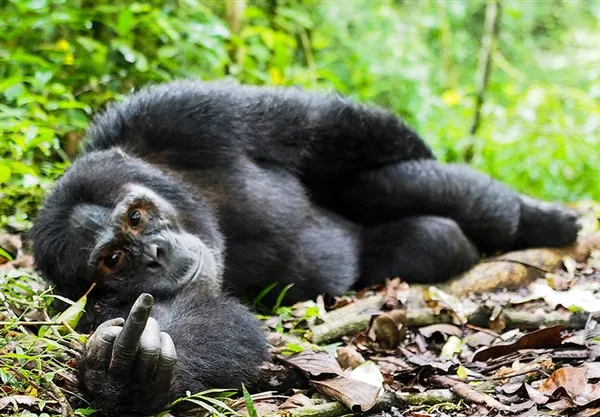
x,y
148,351
113,322
167,360
126,345
100,346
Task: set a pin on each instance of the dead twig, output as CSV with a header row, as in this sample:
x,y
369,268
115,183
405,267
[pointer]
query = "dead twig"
x,y
66,410
467,393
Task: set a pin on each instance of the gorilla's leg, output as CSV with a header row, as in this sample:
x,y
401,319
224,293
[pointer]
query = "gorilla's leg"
x,y
417,249
492,215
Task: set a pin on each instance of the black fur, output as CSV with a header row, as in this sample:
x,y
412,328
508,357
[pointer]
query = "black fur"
x,y
281,185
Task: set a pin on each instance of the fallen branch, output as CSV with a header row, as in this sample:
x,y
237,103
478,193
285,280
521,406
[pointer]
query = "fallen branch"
x,y
516,269
467,393
385,402
66,410
353,322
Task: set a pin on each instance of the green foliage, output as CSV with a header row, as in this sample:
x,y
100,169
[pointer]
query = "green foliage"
x,y
32,365
64,59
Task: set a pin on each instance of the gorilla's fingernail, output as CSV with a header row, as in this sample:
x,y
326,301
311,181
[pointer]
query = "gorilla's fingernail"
x,y
147,299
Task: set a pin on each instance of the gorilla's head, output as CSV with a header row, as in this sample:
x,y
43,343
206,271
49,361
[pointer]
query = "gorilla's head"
x,y
115,220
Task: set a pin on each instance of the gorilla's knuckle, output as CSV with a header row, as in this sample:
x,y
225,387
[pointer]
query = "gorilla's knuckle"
x,y
168,358
152,323
149,350
105,335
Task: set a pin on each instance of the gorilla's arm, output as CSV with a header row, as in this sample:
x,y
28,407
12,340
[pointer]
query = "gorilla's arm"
x,y
143,365
193,125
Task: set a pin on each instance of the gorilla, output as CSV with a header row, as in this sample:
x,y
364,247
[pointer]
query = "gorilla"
x,y
190,195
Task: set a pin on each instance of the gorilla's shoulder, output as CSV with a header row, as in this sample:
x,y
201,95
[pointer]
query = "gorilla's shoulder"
x,y
183,111
155,113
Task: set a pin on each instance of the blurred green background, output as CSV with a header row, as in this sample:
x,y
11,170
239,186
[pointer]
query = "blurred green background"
x,y
62,60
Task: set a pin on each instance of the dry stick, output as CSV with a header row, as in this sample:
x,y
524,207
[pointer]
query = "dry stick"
x,y
384,403
32,323
66,410
490,34
353,322
467,393
516,269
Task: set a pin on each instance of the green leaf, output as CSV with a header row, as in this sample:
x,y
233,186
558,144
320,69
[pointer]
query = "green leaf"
x,y
249,403
4,174
71,315
14,91
125,22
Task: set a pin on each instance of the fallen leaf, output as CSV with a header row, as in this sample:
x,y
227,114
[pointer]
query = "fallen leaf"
x,y
348,357
440,300
356,395
479,339
588,412
395,294
368,372
574,382
580,298
525,390
314,364
16,400
389,329
540,339
296,401
451,348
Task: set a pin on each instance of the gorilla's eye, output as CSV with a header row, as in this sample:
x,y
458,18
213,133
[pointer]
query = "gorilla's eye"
x,y
134,217
113,260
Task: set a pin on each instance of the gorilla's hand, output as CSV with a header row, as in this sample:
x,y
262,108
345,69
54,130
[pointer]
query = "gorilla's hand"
x,y
546,224
131,365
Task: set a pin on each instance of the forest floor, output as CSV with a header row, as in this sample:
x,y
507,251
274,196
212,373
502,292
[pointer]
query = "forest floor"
x,y
517,335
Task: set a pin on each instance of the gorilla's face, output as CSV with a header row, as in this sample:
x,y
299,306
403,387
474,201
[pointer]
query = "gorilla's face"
x,y
108,228
140,245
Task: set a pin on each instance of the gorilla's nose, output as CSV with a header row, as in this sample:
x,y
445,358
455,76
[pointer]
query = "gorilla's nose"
x,y
156,254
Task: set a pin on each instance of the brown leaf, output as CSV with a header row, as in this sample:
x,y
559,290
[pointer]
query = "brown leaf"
x,y
296,401
389,329
588,412
480,339
18,400
530,392
540,339
348,357
574,382
395,294
517,408
356,395
314,364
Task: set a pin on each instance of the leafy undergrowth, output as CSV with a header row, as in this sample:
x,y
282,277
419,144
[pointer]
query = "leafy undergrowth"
x,y
390,350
